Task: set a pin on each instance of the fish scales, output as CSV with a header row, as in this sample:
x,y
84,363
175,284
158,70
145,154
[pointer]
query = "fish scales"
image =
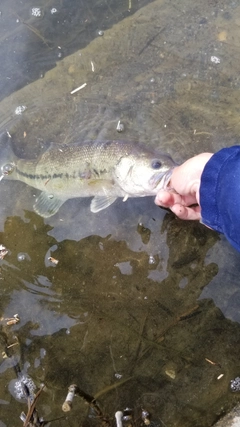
x,y
102,169
62,165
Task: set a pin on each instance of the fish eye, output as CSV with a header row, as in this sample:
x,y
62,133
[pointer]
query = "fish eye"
x,y
156,164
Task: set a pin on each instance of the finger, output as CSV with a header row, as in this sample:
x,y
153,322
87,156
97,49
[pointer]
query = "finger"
x,y
184,212
167,199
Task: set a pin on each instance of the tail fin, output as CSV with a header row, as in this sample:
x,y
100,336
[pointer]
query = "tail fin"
x,y
7,157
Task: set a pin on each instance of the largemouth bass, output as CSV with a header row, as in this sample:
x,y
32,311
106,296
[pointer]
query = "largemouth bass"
x,y
105,170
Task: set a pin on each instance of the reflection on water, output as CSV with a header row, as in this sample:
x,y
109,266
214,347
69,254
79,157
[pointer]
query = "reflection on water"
x,y
141,309
34,36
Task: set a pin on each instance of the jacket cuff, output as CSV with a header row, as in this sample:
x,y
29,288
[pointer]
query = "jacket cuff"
x,y
220,193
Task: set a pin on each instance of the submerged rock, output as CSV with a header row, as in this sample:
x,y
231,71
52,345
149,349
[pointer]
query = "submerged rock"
x,y
230,420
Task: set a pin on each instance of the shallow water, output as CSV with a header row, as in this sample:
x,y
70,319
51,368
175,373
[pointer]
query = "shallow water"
x,y
137,295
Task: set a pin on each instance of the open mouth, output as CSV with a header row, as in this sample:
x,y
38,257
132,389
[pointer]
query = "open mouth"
x,y
161,180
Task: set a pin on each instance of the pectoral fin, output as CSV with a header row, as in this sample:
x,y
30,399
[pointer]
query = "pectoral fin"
x,y
99,203
47,204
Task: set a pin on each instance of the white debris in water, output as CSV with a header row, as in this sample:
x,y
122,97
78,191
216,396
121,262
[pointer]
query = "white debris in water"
x,y
120,126
20,109
53,260
220,376
53,10
92,66
78,88
3,251
215,59
36,11
119,416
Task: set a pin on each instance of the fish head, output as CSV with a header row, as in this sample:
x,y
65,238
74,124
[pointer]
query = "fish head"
x,y
144,174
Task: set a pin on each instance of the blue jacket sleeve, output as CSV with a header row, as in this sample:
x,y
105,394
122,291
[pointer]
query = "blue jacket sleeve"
x,y
220,194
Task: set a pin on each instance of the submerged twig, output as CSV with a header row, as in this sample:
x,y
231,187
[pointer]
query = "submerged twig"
x,y
74,390
178,319
138,347
33,29
111,387
36,32
32,407
213,363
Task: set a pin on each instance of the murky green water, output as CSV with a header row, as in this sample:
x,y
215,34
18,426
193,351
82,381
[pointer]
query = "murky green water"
x,y
139,302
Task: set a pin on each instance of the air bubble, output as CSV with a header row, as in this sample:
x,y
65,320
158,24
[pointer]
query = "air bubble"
x,y
118,376
151,260
23,256
235,384
20,109
101,33
7,169
36,12
19,392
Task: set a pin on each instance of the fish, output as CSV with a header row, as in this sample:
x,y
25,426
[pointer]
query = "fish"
x,y
104,170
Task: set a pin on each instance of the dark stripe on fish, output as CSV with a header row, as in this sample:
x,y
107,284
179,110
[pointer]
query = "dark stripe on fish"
x,y
35,176
82,175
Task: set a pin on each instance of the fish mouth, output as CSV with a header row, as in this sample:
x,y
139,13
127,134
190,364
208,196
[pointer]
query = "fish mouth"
x,y
161,180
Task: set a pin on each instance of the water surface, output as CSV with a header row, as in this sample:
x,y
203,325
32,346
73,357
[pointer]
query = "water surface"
x,y
137,294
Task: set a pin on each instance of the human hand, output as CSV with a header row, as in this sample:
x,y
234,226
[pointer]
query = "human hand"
x,y
184,188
